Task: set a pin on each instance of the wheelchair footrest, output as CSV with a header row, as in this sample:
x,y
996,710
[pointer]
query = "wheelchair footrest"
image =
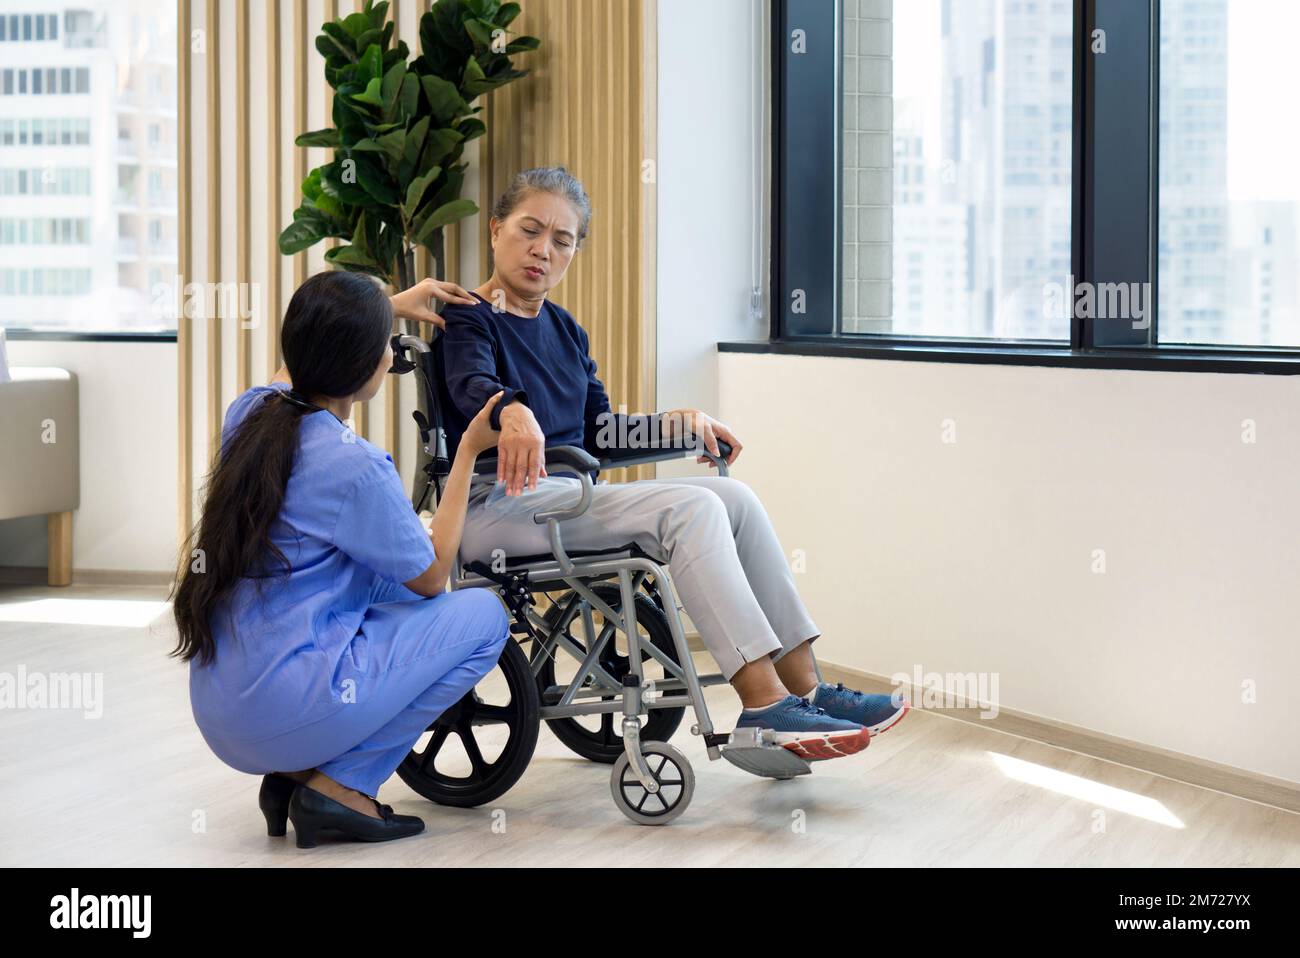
x,y
751,750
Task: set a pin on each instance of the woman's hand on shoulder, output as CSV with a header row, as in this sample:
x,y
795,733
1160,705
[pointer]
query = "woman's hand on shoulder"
x,y
414,304
695,422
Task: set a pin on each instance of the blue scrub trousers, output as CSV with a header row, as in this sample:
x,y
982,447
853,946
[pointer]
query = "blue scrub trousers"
x,y
421,656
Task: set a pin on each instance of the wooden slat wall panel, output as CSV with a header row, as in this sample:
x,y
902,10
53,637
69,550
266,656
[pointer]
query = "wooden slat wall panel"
x,y
300,66
582,108
214,406
274,134
243,199
185,253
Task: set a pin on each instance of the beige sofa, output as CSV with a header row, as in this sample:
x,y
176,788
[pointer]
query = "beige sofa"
x,y
40,456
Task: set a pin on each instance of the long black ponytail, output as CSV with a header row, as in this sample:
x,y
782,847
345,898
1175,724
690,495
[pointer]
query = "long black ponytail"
x,y
334,333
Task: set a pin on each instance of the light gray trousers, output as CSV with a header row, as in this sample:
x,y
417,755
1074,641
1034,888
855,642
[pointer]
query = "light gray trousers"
x,y
721,550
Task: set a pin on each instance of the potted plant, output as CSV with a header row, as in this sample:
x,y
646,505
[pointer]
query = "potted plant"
x,y
399,131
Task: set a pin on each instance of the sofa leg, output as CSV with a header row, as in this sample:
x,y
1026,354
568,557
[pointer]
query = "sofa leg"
x,y
60,546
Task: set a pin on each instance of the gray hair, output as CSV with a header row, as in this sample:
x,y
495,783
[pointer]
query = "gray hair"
x,y
546,179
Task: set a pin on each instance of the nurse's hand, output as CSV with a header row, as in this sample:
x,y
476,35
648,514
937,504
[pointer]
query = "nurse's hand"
x,y
413,304
479,436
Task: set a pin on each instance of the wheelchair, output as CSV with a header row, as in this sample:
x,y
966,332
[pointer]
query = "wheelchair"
x,y
584,664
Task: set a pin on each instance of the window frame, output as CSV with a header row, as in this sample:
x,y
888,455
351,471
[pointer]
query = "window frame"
x,y
1104,182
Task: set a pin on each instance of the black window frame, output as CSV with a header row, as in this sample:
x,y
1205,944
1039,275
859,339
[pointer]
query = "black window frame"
x,y
807,144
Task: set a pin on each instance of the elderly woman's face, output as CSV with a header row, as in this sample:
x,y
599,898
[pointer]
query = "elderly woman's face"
x,y
532,247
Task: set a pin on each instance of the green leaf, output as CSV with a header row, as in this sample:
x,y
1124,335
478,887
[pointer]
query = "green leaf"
x,y
331,206
355,260
390,88
390,144
373,95
334,51
415,138
356,24
327,137
522,45
471,128
449,213
371,38
300,234
415,192
311,187
445,100
475,81
371,63
439,144
506,14
333,183
410,96
481,31
373,179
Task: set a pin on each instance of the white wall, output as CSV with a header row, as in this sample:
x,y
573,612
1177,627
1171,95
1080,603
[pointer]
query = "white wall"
x,y
978,555
127,519
706,184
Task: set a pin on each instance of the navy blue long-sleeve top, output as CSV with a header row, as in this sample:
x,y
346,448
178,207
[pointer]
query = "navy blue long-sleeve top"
x,y
542,361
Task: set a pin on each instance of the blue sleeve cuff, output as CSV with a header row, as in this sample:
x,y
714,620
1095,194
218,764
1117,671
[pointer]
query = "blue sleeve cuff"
x,y
510,395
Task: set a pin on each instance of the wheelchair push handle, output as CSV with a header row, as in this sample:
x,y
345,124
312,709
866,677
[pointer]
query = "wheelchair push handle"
x,y
403,347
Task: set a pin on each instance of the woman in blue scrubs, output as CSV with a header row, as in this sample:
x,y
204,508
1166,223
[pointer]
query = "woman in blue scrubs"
x,y
311,607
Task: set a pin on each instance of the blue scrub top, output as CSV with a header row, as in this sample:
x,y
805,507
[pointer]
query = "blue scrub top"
x,y
284,657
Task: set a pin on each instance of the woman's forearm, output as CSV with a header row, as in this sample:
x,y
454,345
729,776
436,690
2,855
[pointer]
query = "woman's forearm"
x,y
449,521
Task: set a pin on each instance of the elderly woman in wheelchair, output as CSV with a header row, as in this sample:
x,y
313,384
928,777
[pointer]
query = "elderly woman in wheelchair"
x,y
536,523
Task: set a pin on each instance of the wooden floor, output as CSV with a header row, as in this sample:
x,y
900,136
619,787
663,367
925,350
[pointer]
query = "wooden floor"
x,y
138,786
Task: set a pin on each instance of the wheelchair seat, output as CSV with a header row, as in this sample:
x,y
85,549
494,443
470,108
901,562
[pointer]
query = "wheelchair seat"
x,y
625,551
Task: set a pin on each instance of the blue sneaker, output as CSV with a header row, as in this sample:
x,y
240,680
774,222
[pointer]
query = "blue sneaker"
x,y
809,732
878,713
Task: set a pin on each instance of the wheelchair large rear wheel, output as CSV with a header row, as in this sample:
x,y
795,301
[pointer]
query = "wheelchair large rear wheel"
x,y
476,750
597,737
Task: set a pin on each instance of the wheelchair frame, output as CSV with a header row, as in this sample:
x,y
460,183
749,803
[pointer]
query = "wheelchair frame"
x,y
593,689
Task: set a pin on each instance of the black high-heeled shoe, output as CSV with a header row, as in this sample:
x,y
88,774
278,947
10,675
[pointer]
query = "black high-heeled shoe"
x,y
312,812
273,800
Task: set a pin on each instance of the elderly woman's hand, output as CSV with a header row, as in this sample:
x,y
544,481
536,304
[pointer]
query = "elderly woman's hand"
x,y
521,449
693,422
413,304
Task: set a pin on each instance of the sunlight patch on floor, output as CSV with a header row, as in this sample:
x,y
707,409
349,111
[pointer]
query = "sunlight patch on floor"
x,y
1086,790
121,613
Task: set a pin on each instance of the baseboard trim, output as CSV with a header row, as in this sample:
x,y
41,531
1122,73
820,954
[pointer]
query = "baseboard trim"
x,y
1189,769
36,575
1228,779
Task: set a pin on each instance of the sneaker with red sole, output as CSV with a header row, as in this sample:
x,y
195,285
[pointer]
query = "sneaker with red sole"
x,y
876,713
806,730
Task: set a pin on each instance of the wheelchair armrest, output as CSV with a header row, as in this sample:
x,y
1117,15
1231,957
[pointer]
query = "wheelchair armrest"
x,y
559,459
577,460
640,457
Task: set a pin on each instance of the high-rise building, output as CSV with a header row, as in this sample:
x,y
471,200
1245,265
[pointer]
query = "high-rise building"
x,y
1194,261
982,94
87,163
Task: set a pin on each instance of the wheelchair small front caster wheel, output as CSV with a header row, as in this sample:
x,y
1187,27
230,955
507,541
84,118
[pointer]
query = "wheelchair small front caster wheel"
x,y
670,769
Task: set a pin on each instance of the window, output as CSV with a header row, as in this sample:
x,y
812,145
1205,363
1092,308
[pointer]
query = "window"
x,y
956,179
1229,190
65,263
1109,181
